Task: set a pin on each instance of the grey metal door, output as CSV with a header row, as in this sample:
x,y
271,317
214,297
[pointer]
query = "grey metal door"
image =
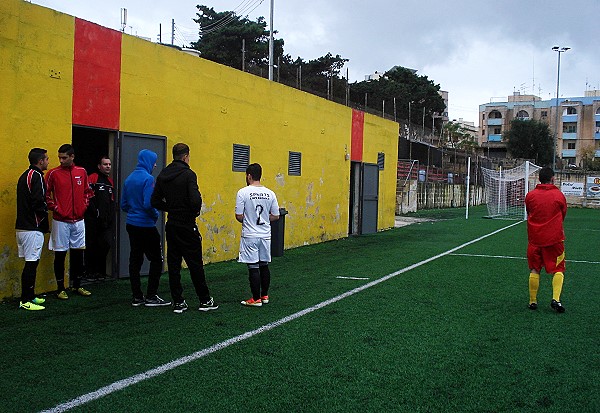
x,y
129,145
369,198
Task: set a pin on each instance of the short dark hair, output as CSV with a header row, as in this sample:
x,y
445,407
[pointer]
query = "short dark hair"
x,y
546,174
103,157
179,150
36,155
255,171
66,148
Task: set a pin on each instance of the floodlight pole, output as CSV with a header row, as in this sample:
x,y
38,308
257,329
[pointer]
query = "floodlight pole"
x,y
271,42
559,50
468,187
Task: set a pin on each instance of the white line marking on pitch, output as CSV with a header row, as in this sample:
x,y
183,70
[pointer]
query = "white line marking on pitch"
x,y
351,278
518,258
122,384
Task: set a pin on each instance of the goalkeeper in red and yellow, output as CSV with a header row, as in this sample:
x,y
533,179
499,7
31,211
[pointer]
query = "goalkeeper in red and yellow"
x,y
546,210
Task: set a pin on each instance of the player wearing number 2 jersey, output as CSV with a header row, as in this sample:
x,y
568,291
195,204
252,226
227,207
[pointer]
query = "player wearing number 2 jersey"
x,y
255,207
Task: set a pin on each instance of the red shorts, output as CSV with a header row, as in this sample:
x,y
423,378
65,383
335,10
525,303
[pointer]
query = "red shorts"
x,y
552,258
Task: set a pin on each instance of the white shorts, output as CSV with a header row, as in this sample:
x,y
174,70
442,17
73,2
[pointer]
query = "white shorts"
x,y
253,250
66,235
29,244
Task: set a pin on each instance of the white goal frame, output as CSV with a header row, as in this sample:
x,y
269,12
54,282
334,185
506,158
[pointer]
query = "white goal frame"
x,y
505,190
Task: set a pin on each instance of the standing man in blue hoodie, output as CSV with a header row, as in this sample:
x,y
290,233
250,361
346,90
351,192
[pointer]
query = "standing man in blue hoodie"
x,y
177,193
141,227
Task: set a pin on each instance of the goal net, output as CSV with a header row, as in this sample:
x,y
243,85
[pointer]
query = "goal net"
x,y
505,190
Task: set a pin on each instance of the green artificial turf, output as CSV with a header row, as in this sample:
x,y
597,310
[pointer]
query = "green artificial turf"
x,y
453,334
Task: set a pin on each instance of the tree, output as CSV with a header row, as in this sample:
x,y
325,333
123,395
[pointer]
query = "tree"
x,y
402,85
457,136
529,139
315,74
587,154
221,35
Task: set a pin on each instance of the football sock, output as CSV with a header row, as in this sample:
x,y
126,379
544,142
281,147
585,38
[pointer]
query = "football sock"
x,y
254,278
557,283
28,281
59,269
265,279
76,267
534,284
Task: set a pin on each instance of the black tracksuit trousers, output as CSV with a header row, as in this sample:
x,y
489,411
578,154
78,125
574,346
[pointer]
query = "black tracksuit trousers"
x,y
184,242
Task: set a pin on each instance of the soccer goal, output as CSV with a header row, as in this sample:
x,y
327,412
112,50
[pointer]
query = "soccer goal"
x,y
505,190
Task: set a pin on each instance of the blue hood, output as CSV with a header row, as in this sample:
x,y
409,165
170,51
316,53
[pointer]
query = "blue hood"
x,y
146,160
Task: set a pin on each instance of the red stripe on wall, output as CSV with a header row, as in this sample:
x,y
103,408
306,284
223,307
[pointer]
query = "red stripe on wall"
x,y
358,126
96,76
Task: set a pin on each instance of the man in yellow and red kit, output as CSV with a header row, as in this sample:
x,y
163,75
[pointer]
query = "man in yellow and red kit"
x,y
546,210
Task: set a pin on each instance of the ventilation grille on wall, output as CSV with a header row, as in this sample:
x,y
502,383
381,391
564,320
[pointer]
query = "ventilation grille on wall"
x,y
380,160
295,164
241,157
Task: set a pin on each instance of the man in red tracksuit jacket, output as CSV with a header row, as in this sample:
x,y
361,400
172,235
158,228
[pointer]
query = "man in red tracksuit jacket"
x,y
546,210
68,197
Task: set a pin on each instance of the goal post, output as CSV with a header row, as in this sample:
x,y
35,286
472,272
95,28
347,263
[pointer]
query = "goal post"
x,y
505,190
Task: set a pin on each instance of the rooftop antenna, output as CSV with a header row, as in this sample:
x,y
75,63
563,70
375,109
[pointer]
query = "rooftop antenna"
x,y
533,74
123,20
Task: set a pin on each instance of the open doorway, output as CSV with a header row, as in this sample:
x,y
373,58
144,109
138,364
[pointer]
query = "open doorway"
x,y
364,198
90,146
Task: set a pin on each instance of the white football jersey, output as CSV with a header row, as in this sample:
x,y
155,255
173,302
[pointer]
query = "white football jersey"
x,y
256,203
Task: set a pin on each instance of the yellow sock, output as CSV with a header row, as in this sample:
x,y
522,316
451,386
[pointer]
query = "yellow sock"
x,y
534,284
557,284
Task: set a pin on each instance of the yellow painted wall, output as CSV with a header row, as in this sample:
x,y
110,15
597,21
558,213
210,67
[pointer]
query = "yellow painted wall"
x,y
210,107
36,72
377,133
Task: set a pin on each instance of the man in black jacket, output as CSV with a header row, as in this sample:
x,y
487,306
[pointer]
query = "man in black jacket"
x,y
176,192
99,220
31,224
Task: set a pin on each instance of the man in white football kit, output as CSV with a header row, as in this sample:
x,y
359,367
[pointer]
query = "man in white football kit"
x,y
255,207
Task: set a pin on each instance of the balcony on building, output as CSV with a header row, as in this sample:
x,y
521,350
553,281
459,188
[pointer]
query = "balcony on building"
x,y
494,122
569,153
494,138
569,135
523,115
569,114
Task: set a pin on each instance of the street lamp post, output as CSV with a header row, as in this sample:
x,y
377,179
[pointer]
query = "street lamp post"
x,y
559,50
409,137
271,41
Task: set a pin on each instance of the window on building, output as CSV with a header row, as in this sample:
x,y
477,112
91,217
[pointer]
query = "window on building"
x,y
295,164
497,131
570,127
241,157
495,115
482,132
571,145
570,110
484,116
522,114
598,111
544,113
597,127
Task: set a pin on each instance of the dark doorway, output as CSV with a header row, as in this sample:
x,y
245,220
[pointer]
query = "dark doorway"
x,y
355,190
90,145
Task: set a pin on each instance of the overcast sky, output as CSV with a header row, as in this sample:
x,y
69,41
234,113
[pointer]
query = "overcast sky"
x,y
479,51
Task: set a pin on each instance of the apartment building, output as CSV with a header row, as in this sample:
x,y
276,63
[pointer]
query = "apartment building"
x,y
578,124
